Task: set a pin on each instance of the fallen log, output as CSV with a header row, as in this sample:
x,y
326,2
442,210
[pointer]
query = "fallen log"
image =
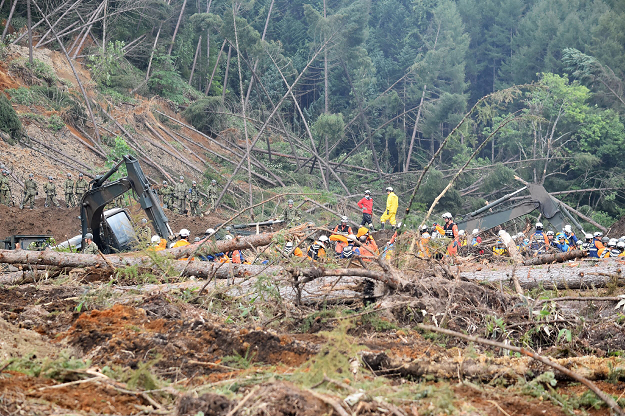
x,y
556,257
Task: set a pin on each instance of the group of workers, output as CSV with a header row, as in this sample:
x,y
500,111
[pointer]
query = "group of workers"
x,y
73,190
175,197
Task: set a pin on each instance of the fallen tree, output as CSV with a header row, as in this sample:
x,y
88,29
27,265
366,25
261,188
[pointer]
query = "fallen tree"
x,y
556,257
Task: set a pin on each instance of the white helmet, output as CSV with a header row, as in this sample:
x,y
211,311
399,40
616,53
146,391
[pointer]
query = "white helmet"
x,y
475,231
501,232
447,215
344,218
210,231
549,232
461,232
598,234
567,229
288,248
227,237
156,239
539,225
367,192
351,237
389,188
184,232
588,236
612,242
620,244
323,239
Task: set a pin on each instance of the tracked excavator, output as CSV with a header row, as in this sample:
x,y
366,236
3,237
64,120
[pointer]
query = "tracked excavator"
x,y
112,229
512,206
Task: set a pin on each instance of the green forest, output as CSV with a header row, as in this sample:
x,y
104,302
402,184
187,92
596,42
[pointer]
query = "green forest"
x,y
348,95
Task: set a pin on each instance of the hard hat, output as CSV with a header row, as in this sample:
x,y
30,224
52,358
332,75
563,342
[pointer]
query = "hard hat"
x,y
620,244
539,225
80,174
367,192
210,231
288,248
423,228
362,231
549,232
567,228
184,232
447,215
164,182
598,234
88,236
144,221
323,238
389,189
69,174
290,202
461,232
30,175
321,243
475,231
8,172
181,178
213,181
351,237
289,244
604,239
588,236
560,236
49,178
344,219
196,240
501,232
227,237
228,228
612,242
156,239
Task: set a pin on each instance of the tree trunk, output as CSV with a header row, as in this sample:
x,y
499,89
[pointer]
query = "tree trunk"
x,y
556,257
414,132
173,38
8,23
210,82
106,4
249,87
197,51
30,33
223,91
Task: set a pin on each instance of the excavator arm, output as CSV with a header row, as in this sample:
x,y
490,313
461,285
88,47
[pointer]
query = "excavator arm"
x,y
539,199
102,193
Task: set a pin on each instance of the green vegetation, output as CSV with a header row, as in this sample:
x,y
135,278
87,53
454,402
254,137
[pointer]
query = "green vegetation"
x,y
9,121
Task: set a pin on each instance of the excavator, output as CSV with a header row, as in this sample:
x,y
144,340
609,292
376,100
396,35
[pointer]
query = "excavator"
x,y
112,229
497,212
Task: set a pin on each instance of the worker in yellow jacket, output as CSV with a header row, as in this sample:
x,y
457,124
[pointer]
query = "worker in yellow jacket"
x,y
392,202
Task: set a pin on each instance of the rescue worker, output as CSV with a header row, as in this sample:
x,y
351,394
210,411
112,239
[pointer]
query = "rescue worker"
x,y
90,247
343,227
475,237
366,204
587,242
437,230
82,186
612,250
340,243
213,194
619,251
499,249
350,250
68,186
550,236
561,243
5,189
144,233
157,243
290,214
50,190
180,193
595,245
317,250
392,203
209,233
451,231
539,241
290,249
194,200
30,191
166,195
368,247
184,239
423,245
602,252
570,236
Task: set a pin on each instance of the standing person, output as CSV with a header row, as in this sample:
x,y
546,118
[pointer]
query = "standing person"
x,y
392,202
69,191
30,191
366,204
90,246
451,231
5,189
571,237
596,246
290,214
166,192
213,194
194,200
50,190
539,242
343,227
82,186
180,193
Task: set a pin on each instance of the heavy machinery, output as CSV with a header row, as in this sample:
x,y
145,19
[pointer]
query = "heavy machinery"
x,y
497,212
26,242
112,229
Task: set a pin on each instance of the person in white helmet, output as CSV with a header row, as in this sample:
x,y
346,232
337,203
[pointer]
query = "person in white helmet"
x,y
451,231
570,236
184,238
392,202
157,243
366,204
539,241
317,250
596,246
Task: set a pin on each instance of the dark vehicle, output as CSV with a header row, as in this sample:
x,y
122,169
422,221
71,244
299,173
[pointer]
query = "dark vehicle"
x,y
27,242
112,229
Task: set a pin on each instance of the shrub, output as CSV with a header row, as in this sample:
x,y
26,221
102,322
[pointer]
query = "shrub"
x,y
9,122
